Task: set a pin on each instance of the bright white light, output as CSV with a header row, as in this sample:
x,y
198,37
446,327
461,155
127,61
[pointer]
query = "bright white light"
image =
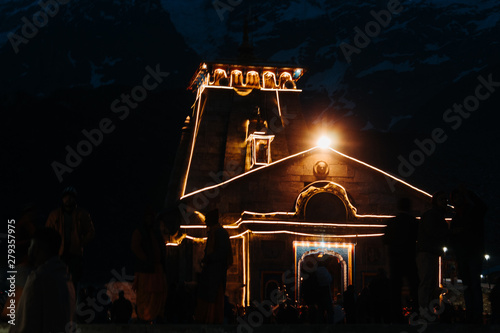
x,y
445,249
324,142
482,276
487,256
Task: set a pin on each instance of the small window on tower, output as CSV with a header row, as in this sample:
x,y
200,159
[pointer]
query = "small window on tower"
x,y
260,148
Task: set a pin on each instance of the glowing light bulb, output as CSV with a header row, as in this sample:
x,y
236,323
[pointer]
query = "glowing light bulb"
x,y
445,249
487,256
324,142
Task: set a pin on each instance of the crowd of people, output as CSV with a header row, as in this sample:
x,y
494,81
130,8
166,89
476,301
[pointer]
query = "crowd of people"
x,y
426,241
50,269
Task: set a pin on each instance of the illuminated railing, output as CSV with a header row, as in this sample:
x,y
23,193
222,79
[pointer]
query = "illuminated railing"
x,y
251,79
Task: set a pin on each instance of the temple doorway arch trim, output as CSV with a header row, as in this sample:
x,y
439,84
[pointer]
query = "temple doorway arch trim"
x,y
343,251
323,187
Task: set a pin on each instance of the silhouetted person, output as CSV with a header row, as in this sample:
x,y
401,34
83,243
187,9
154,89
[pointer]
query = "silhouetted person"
x,y
324,297
309,291
494,298
168,222
76,229
48,301
212,285
229,311
432,237
121,310
150,283
364,307
401,239
349,298
467,242
380,297
287,313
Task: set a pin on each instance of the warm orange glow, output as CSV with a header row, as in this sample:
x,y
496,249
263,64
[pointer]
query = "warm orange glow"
x,y
316,235
284,77
197,239
244,174
246,270
256,76
382,172
268,214
325,247
217,87
236,78
238,223
240,235
219,74
253,79
279,106
292,156
297,285
440,276
322,244
193,139
448,219
268,80
257,138
265,89
324,142
277,89
301,153
376,216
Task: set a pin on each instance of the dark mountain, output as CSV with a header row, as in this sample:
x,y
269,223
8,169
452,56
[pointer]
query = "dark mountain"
x,y
379,94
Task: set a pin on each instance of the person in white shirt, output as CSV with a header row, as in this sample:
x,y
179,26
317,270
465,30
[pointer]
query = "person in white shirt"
x,y
48,300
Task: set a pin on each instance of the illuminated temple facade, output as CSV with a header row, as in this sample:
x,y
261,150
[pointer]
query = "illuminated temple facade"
x,y
246,150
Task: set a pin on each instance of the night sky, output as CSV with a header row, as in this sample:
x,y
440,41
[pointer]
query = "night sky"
x,y
68,85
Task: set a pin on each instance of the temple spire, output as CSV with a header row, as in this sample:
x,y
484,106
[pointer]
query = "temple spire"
x,y
246,48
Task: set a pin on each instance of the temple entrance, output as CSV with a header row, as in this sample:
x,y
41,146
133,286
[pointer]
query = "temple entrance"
x,y
309,275
325,206
325,201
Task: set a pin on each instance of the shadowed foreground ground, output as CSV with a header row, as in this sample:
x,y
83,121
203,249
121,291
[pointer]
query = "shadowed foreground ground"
x,y
139,328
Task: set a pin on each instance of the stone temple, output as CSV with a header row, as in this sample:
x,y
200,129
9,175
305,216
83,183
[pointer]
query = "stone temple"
x,y
286,201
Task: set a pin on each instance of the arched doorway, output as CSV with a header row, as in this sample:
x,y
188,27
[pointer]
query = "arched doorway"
x,y
325,201
325,206
308,273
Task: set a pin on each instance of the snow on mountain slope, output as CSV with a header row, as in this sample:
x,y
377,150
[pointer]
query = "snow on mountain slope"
x,y
419,51
439,39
